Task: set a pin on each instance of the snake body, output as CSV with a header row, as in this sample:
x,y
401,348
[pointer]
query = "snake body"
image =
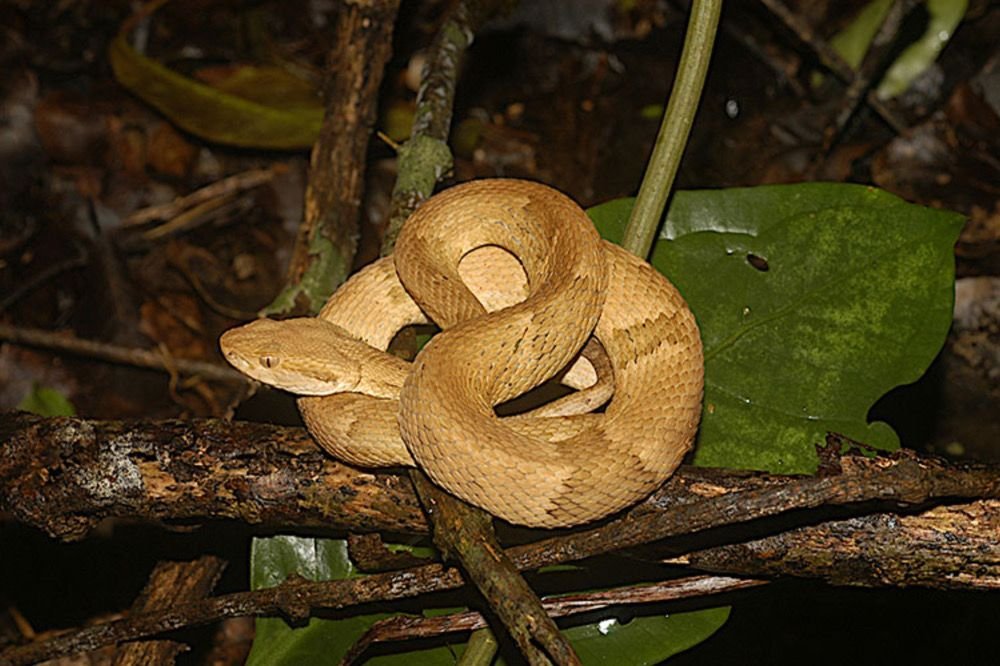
x,y
518,279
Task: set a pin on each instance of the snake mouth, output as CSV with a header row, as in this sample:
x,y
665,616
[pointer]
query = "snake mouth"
x,y
227,343
242,365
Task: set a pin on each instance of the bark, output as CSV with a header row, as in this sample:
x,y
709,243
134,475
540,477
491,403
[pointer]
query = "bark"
x,y
170,584
425,158
65,475
947,547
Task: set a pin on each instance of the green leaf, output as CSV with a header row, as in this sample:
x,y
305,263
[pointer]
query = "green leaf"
x,y
46,401
853,41
644,640
259,107
320,641
851,296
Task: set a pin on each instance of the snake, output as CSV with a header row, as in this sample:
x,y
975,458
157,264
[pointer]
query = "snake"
x,y
525,293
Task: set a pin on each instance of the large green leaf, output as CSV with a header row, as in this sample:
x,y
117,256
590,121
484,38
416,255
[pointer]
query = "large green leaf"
x,y
258,107
813,300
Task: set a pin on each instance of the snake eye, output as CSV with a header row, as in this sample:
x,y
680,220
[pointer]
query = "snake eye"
x,y
268,361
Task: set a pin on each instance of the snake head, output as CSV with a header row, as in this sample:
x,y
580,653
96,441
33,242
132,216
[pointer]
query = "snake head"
x,y
304,355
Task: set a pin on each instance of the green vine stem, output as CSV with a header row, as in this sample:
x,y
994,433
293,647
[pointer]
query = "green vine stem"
x,y
674,130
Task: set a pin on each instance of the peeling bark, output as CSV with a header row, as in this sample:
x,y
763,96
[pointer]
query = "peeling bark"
x,y
65,475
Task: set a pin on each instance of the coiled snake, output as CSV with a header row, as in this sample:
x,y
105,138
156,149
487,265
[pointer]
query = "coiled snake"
x,y
518,279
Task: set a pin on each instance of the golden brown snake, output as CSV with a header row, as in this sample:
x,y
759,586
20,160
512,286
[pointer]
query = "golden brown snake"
x,y
509,324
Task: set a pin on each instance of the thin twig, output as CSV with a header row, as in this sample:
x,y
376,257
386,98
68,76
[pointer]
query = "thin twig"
x,y
465,533
872,66
103,351
401,628
230,185
832,60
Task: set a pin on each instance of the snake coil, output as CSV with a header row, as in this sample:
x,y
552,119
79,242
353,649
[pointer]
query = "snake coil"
x,y
518,280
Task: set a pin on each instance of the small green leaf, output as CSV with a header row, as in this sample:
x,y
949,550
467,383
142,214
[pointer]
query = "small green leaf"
x,y
46,401
813,301
853,41
319,642
275,114
945,15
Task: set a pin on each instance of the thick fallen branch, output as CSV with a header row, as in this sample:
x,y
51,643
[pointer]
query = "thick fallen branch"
x,y
949,547
170,584
65,475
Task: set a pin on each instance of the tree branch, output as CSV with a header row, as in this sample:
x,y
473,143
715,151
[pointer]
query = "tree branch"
x,y
328,237
105,351
948,547
169,585
425,157
65,475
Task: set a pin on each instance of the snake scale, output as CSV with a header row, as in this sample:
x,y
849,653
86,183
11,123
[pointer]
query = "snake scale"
x,y
517,278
